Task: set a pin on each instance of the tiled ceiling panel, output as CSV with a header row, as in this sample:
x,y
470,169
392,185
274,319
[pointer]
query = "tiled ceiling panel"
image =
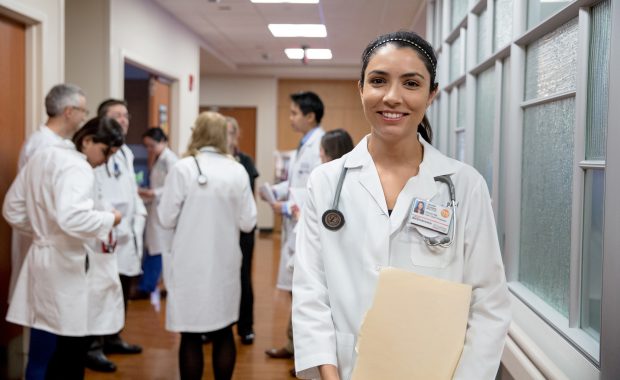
x,y
237,41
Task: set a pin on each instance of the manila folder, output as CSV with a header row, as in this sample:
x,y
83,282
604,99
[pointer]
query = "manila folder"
x,y
414,330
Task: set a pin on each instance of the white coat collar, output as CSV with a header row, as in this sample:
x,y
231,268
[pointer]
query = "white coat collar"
x,y
422,186
314,137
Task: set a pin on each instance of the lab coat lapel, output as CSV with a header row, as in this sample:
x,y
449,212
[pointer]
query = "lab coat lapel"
x,y
368,177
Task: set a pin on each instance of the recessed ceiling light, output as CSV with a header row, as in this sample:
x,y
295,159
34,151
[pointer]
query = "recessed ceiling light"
x,y
298,30
286,1
310,53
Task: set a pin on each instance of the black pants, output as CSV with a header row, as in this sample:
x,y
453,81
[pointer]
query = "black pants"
x,y
69,359
96,343
223,357
245,325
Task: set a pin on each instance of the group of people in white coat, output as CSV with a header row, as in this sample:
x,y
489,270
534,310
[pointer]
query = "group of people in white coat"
x,y
355,218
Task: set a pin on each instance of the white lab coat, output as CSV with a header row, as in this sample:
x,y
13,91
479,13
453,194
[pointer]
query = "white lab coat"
x,y
20,243
52,199
121,192
336,271
202,270
300,167
157,238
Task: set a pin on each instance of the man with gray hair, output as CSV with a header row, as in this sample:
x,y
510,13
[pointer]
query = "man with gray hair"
x,y
65,105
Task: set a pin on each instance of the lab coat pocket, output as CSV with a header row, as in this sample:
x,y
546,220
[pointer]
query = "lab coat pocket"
x,y
422,254
345,346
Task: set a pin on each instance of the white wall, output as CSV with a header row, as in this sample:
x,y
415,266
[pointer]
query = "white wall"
x,y
45,46
144,34
250,92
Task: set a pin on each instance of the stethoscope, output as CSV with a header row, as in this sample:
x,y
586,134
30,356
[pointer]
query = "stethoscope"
x,y
202,178
333,219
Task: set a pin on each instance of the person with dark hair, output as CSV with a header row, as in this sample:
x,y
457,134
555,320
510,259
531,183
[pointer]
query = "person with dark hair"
x,y
157,239
64,286
245,324
306,113
207,200
358,218
116,181
335,144
65,106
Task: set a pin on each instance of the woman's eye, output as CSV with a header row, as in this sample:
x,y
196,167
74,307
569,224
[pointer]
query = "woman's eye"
x,y
376,80
411,83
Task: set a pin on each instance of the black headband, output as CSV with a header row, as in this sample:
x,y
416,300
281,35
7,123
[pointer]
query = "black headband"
x,y
415,45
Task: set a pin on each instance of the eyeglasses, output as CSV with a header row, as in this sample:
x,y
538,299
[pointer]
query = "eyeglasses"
x,y
116,116
86,112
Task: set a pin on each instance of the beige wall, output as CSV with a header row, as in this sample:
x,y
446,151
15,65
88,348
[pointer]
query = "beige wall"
x,y
250,92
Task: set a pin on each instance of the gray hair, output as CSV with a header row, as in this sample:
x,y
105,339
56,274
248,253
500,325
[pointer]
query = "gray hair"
x,y
62,96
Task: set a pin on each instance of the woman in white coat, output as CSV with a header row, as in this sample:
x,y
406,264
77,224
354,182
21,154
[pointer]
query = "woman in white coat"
x,y
157,238
207,200
336,270
66,285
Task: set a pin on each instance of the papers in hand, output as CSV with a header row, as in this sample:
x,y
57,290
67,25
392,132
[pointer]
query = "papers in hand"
x,y
415,328
266,193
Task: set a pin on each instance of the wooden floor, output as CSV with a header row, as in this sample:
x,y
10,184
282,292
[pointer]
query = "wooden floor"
x,y
159,360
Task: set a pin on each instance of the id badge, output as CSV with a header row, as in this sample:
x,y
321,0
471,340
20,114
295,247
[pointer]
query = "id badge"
x,y
430,215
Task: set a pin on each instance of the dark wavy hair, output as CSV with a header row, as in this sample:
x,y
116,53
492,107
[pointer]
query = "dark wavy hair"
x,y
156,133
103,130
411,40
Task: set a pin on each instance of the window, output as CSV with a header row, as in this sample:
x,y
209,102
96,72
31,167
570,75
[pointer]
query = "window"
x,y
458,11
483,36
485,125
502,24
538,10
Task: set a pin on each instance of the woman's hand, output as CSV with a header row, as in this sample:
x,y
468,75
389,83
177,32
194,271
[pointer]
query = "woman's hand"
x,y
117,217
146,194
329,372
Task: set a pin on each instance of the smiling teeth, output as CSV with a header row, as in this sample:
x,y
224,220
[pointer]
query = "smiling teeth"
x,y
391,115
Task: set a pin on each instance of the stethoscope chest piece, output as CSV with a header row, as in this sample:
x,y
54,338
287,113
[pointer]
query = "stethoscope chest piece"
x,y
333,220
202,180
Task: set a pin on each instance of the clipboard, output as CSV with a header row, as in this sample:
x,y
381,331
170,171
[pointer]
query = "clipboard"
x,y
415,328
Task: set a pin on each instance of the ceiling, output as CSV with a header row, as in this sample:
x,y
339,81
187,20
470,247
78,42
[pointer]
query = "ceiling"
x,y
236,40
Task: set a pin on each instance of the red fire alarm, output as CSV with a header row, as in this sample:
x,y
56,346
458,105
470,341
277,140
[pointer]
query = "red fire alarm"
x,y
191,82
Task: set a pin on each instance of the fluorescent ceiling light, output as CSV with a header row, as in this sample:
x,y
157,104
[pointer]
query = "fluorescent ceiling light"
x,y
310,53
286,1
298,30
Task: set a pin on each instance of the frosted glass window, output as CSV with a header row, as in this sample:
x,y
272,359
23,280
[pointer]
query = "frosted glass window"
x,y
485,119
598,81
546,201
551,63
592,266
461,111
456,55
459,10
460,145
502,24
483,36
538,10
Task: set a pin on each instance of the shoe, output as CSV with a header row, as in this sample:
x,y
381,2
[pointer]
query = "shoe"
x,y
121,347
97,361
247,338
279,353
293,373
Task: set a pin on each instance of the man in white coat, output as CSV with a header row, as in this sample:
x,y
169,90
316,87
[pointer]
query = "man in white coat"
x,y
65,106
306,114
117,186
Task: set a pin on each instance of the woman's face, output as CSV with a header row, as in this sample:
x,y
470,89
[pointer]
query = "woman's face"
x,y
396,92
96,153
152,146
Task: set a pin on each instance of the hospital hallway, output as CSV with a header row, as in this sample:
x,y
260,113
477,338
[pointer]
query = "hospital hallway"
x,y
159,360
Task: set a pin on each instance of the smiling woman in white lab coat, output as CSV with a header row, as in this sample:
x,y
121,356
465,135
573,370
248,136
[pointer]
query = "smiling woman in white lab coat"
x,y
66,286
336,271
208,200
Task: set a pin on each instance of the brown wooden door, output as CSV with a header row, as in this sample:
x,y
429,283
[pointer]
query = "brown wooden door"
x,y
246,117
12,128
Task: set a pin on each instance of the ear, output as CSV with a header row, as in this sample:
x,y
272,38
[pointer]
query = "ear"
x,y
311,117
432,96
